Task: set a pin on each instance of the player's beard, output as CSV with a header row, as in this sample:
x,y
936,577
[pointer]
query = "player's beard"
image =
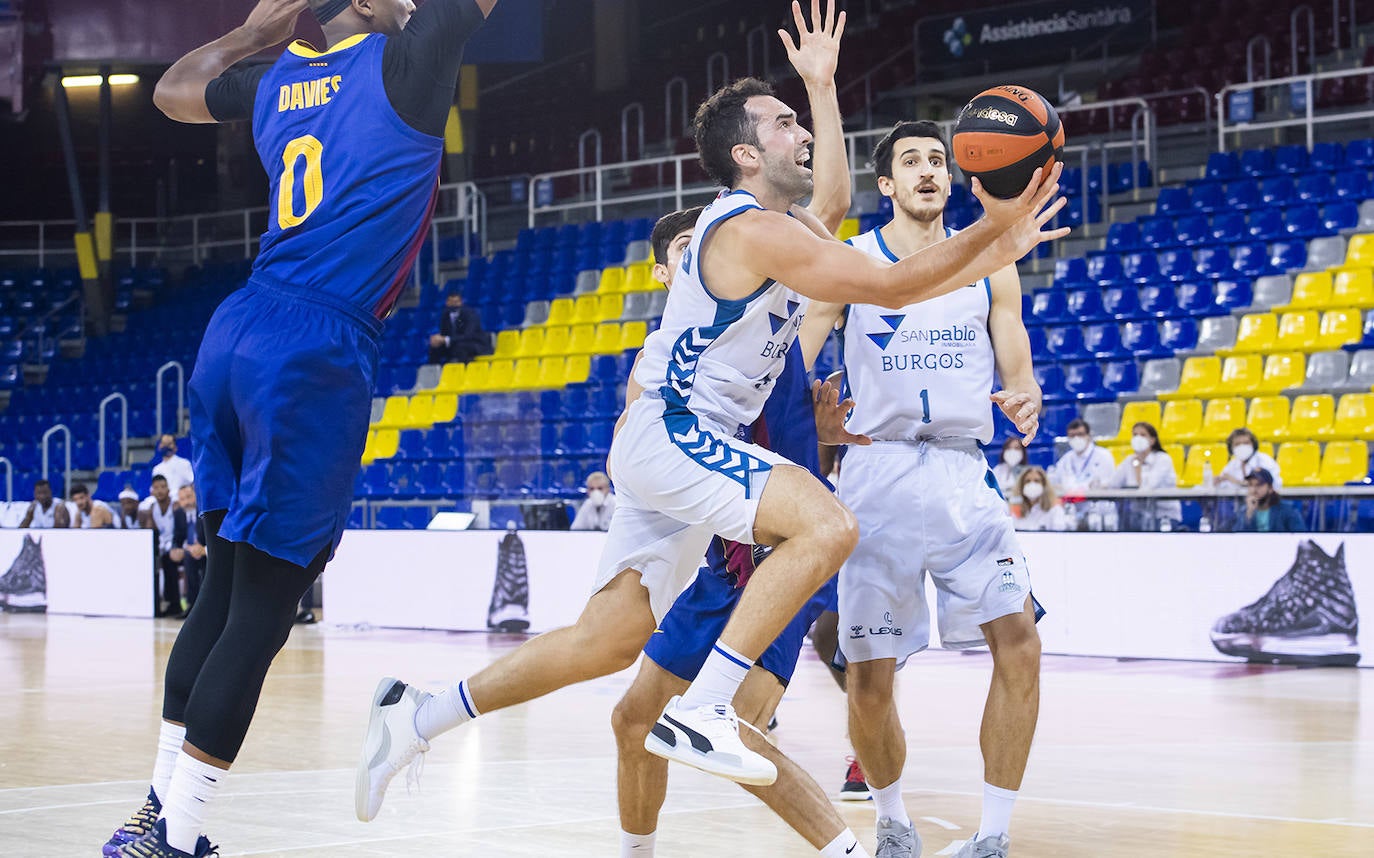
x,y
789,180
916,208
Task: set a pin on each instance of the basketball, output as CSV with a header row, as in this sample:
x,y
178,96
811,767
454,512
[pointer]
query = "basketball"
x,y
1004,134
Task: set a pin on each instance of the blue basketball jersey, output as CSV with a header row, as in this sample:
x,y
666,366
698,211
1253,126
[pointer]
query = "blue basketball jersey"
x,y
788,419
353,185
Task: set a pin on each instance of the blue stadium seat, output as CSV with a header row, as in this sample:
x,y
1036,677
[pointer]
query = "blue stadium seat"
x,y
1103,341
1173,201
1083,381
1315,188
1140,267
1158,232
1352,185
1050,377
1277,191
1251,260
1105,269
1048,306
453,482
1037,340
1120,376
1175,264
1267,224
390,518
1084,305
1326,156
1209,197
1228,228
1213,261
1158,301
355,518
429,480
1233,294
1121,302
1241,195
1177,335
1290,159
1339,216
1359,153
1288,255
1195,298
1071,272
1122,177
1222,166
412,444
1299,221
107,486
1256,162
1066,343
1123,237
1192,230
1054,421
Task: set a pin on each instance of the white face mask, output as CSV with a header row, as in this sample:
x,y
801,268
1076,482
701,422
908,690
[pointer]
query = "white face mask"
x,y
1013,456
1079,443
1140,443
1243,452
1032,491
595,497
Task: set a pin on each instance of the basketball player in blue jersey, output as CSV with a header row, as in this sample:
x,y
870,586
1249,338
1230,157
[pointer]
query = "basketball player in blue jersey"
x,y
682,477
921,376
351,138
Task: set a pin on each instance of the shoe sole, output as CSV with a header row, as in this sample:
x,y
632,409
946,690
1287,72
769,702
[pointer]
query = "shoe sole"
x,y
856,796
656,746
1332,649
376,724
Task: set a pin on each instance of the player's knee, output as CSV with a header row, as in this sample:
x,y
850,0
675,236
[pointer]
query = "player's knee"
x,y
631,720
1016,647
837,532
869,691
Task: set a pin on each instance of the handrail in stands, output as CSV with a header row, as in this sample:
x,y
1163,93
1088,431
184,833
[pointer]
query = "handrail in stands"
x,y
123,428
711,83
761,57
1257,39
674,85
1293,17
9,479
181,395
67,474
635,109
1309,119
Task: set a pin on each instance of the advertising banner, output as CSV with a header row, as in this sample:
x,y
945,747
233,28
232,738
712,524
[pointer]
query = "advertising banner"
x,y
101,573
1030,34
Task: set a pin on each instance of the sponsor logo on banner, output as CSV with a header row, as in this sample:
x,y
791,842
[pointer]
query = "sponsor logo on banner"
x,y
1020,35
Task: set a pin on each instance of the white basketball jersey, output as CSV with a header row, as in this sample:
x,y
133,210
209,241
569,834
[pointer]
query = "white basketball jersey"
x,y
924,371
719,358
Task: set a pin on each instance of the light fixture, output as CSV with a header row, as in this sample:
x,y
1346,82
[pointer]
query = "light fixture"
x,y
86,80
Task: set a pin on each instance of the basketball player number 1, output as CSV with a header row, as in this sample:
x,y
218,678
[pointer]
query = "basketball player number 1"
x,y
925,406
312,186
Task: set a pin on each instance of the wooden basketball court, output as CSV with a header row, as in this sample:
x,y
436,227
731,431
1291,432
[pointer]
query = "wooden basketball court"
x,y
1146,758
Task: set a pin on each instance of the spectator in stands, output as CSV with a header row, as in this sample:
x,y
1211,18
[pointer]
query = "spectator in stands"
x,y
177,469
1086,465
1264,511
90,513
460,337
1010,467
46,511
1246,458
188,545
127,517
595,512
1039,508
1148,468
159,513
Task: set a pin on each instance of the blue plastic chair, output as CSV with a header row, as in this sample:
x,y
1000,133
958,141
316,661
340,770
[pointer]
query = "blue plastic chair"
x,y
1140,267
1289,255
1213,261
1222,166
1158,301
1315,188
1066,343
1084,305
1277,191
1050,377
1192,230
1290,159
1157,232
1233,294
1353,185
1195,298
1178,335
1083,381
1173,201
1121,302
1241,195
1326,156
1176,264
1256,162
1103,341
1123,237
1339,216
1268,224
1071,272
1120,376
1105,269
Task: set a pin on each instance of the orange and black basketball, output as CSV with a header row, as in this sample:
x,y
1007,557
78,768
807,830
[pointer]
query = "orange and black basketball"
x,y
1004,134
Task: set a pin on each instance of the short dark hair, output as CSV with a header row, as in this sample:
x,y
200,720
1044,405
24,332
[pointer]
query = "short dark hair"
x,y
42,484
79,489
1078,423
159,477
882,153
669,227
722,123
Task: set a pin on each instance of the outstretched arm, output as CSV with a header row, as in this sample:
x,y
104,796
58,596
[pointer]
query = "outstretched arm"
x,y
1020,397
420,66
815,56
180,94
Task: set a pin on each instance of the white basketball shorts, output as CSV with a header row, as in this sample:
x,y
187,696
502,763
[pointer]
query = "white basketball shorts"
x,y
925,507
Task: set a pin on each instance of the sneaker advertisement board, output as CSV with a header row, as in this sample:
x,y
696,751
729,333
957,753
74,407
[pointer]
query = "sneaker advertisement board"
x,y
90,572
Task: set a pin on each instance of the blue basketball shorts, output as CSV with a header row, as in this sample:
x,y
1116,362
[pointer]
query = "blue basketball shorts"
x,y
280,402
691,627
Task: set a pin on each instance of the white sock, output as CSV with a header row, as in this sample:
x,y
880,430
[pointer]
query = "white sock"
x,y
444,711
719,678
637,845
845,845
193,786
169,741
997,805
888,802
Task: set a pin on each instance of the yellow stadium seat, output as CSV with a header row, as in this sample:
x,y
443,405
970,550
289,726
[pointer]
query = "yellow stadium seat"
x,y
582,341
1256,333
507,345
1297,331
1310,417
526,374
475,381
1221,417
1137,412
1200,377
1268,416
577,369
394,414
1175,452
1344,462
1267,448
1311,291
1182,420
612,307
1119,452
1281,371
531,342
607,339
418,413
1299,462
640,277
385,444
1240,374
587,309
501,375
612,280
551,372
560,312
849,227
368,454
1354,418
632,335
451,378
556,341
1360,251
1353,287
1340,328
445,407
1198,456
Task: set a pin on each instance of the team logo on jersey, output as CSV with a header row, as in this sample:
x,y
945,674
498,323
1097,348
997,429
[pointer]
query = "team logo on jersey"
x,y
1009,584
776,322
882,339
856,632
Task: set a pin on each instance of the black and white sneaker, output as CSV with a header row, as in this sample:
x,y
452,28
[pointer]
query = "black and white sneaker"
x,y
1307,617
707,738
24,586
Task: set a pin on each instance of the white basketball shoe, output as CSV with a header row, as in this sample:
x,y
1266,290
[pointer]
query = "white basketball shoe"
x,y
391,744
707,738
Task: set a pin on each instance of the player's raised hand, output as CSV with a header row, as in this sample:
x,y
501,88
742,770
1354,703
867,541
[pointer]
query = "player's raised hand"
x,y
273,21
1004,214
816,54
830,415
1022,409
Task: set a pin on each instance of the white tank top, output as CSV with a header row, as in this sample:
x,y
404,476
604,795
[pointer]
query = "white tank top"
x,y
45,518
719,358
164,522
924,371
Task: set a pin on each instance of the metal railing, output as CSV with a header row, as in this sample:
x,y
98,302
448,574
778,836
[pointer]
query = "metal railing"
x,y
181,396
9,479
460,208
67,470
123,427
1309,119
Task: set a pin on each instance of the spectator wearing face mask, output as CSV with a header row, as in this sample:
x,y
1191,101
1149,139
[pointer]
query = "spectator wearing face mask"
x,y
1009,468
1086,465
176,469
1148,468
595,512
1246,459
1040,508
